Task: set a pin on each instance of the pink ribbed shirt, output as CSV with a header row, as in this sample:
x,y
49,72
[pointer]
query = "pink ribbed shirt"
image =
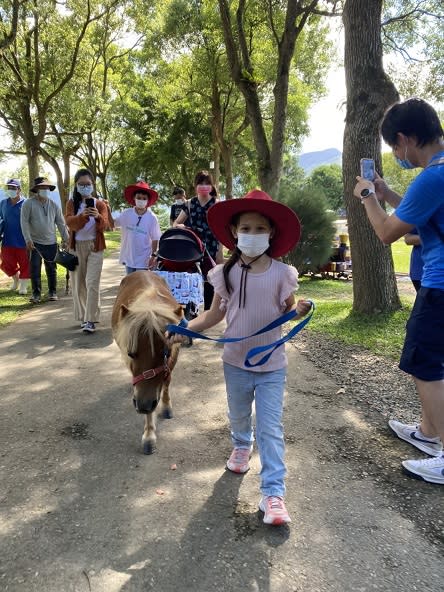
x,y
266,294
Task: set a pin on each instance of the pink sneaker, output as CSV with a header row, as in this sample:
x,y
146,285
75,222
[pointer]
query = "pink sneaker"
x,y
274,510
238,461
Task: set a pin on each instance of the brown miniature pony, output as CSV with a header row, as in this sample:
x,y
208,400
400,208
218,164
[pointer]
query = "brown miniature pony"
x,y
143,307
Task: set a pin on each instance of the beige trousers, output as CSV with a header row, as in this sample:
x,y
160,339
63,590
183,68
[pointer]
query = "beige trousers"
x,y
85,281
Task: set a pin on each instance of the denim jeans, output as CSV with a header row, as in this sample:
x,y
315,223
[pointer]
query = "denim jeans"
x,y
266,389
48,252
129,269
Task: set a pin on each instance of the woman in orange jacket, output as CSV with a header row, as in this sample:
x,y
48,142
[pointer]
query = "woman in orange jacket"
x,y
87,218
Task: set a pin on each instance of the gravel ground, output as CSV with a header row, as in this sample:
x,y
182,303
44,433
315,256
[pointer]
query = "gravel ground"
x,y
378,390
365,378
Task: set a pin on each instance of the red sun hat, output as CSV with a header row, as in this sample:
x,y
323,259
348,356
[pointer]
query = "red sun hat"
x,y
143,187
287,228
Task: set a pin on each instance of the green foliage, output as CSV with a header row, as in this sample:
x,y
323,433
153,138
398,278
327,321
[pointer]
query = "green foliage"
x,y
318,230
397,178
412,30
328,179
401,256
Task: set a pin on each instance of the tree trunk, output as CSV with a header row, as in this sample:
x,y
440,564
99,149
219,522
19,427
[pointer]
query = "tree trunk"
x,y
369,93
269,159
227,157
66,175
32,158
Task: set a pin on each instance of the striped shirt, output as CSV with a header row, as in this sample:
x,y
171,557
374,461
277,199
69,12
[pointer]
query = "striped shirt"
x,y
266,294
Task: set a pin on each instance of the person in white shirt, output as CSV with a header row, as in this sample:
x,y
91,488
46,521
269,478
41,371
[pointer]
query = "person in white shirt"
x,y
140,228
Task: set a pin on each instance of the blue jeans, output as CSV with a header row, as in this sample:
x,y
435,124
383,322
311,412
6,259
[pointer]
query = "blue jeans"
x,y
133,269
266,389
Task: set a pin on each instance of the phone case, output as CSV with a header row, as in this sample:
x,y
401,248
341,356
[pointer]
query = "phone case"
x,y
368,169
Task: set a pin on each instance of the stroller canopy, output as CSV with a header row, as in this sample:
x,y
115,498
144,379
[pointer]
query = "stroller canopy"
x,y
180,245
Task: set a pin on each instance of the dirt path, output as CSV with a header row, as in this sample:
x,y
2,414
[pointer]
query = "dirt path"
x,y
82,509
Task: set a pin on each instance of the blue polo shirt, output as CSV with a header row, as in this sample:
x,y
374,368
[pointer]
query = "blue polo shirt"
x,y
10,212
423,206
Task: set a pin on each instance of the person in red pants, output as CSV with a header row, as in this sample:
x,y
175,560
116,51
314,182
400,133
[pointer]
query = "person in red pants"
x,y
14,255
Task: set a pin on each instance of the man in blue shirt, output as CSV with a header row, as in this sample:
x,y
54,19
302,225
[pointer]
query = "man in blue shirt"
x,y
414,132
14,255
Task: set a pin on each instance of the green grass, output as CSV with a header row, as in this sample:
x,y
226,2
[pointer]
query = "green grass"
x,y
382,334
401,256
112,238
12,305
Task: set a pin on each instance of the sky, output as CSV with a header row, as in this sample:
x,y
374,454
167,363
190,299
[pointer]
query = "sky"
x,y
327,116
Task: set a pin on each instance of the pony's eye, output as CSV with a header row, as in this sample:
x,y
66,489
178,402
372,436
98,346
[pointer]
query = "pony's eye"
x,y
132,355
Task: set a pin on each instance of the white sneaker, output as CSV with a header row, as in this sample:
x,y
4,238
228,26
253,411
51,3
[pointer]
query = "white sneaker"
x,y
23,287
15,282
413,435
430,469
239,460
274,510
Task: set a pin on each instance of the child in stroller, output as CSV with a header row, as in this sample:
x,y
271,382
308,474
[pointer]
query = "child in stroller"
x,y
179,257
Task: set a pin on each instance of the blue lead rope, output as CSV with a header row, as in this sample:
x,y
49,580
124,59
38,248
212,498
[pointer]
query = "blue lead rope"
x,y
182,330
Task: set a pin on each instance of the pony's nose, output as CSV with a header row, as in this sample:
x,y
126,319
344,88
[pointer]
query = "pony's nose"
x,y
143,406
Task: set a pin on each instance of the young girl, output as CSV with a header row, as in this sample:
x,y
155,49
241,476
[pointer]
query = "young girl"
x,y
252,289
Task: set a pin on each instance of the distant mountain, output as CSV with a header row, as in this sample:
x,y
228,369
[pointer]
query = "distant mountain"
x,y
311,160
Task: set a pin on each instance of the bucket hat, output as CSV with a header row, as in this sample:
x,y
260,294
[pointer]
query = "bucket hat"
x,y
142,187
287,228
42,182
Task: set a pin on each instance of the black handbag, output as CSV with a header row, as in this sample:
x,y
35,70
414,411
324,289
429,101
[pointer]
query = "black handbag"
x,y
66,259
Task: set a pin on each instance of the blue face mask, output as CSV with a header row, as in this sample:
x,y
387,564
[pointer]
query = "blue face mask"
x,y
405,162
85,190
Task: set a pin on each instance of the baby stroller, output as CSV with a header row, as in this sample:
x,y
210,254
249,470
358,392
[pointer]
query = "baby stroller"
x,y
179,258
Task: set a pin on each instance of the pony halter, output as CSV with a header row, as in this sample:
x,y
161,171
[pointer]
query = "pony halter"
x,y
153,372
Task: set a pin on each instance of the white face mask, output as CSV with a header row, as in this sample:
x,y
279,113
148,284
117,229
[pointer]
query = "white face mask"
x,y
44,192
141,203
11,193
179,202
253,245
85,190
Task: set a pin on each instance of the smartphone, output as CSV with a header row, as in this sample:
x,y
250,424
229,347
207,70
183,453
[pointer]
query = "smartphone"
x,y
368,169
89,202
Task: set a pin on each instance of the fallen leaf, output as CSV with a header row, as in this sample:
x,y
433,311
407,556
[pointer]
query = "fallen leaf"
x,y
160,492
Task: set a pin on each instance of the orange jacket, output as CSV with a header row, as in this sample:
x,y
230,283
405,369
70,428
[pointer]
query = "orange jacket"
x,y
78,221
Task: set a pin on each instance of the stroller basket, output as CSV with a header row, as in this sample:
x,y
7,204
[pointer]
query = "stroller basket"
x,y
179,250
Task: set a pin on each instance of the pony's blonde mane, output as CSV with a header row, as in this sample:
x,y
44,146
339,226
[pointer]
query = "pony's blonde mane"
x,y
148,314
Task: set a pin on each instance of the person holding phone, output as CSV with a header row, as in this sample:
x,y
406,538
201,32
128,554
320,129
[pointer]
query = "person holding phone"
x,y
87,218
414,132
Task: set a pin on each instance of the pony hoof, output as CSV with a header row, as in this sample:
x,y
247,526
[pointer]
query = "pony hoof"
x,y
167,414
149,448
